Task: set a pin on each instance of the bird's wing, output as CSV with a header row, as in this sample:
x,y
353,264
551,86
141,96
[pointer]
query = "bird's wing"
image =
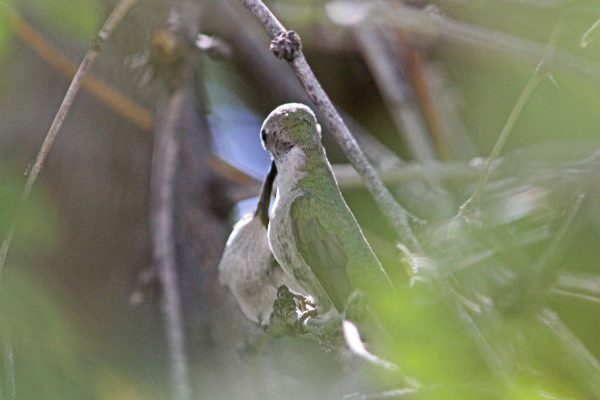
x,y
320,247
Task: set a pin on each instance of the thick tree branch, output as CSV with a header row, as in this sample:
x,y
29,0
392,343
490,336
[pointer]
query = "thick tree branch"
x,y
398,216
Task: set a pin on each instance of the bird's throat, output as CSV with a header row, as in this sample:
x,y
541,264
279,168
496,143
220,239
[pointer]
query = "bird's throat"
x,y
290,170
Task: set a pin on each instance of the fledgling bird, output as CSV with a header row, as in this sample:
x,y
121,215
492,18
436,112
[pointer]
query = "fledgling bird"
x,y
313,234
247,266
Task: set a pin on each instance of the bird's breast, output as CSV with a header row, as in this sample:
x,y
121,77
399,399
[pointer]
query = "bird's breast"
x,y
280,230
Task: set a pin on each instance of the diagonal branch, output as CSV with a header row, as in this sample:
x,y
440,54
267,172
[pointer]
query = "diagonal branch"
x,y
394,91
109,26
398,216
542,71
587,365
106,93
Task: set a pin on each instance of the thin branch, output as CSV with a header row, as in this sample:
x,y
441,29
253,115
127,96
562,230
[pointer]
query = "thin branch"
x,y
443,103
105,32
398,216
550,251
588,365
163,228
419,71
5,246
249,48
590,35
493,361
449,170
389,394
390,73
110,96
347,178
440,27
542,71
9,364
104,92
407,118
473,202
583,285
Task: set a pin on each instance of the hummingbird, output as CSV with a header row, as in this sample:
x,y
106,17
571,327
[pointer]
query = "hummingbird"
x,y
313,234
248,267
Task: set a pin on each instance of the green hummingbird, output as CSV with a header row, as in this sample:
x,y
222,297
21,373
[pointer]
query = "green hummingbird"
x,y
313,234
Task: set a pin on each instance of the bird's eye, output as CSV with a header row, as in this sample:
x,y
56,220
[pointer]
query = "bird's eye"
x,y
263,135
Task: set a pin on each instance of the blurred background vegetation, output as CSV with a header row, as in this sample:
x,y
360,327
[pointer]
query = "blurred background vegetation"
x,y
503,307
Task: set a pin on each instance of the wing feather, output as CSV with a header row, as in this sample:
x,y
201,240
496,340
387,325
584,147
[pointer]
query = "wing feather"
x,y
321,249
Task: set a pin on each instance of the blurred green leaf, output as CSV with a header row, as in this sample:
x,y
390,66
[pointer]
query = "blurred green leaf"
x,y
80,19
33,222
6,27
47,353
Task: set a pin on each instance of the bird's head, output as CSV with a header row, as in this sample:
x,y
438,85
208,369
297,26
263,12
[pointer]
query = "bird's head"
x,y
288,126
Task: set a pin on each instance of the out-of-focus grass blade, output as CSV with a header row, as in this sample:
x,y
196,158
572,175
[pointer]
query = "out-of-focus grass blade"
x,y
590,35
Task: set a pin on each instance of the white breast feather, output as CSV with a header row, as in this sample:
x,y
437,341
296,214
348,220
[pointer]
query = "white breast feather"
x,y
288,173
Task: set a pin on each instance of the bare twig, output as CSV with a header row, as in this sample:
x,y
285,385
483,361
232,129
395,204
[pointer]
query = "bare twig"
x,y
449,124
9,364
578,285
389,394
418,73
389,71
405,114
249,45
109,26
111,97
542,71
588,365
289,45
5,246
550,251
107,94
163,229
493,361
347,178
449,170
440,27
590,35
472,203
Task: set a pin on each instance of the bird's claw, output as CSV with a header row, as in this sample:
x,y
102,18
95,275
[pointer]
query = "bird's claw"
x,y
308,314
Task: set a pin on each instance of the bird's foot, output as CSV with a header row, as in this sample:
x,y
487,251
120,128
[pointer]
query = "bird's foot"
x,y
306,303
308,314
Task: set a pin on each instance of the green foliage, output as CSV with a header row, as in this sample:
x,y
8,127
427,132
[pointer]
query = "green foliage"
x,y
48,360
78,19
33,222
5,26
31,321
